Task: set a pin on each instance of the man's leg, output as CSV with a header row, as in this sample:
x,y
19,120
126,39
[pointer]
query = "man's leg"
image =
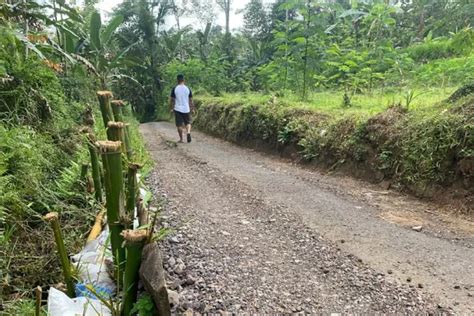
x,y
188,132
180,133
187,122
179,124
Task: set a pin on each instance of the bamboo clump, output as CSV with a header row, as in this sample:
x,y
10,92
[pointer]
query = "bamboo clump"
x,y
134,243
113,183
53,219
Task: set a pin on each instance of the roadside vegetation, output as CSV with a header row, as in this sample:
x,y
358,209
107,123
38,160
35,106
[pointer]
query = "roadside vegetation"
x,y
361,86
423,150
48,84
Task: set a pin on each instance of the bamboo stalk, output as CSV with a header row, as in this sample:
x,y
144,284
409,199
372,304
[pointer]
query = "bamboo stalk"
x,y
84,170
151,228
134,242
117,109
132,187
97,227
117,106
113,180
96,176
38,294
142,214
115,132
53,219
128,142
105,108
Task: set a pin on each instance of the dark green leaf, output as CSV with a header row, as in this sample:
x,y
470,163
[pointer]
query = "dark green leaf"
x,y
95,26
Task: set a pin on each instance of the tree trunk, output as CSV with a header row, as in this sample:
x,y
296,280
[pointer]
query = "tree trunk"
x,y
227,17
306,37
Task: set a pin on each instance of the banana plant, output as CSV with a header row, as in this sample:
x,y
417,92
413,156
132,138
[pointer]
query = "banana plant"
x,y
103,60
203,38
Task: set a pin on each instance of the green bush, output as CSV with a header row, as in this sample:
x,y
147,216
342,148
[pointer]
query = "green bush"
x,y
445,72
431,50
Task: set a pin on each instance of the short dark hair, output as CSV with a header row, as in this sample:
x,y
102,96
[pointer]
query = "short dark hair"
x,y
180,78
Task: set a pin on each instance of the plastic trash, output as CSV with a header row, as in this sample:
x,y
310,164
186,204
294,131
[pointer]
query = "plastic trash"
x,y
97,274
91,263
59,304
102,291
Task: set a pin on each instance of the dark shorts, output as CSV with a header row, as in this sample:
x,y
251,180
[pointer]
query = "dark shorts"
x,y
182,118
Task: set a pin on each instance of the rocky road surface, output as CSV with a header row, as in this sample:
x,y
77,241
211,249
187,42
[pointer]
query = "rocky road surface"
x,y
255,234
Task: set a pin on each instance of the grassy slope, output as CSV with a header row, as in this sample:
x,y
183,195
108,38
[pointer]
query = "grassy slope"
x,y
420,149
330,102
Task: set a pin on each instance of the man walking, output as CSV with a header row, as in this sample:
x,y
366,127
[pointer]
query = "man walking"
x,y
181,102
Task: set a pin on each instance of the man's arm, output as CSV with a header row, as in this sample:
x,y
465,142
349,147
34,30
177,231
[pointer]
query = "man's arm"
x,y
191,102
172,100
171,103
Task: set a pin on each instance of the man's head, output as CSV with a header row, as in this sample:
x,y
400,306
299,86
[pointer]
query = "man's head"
x,y
180,78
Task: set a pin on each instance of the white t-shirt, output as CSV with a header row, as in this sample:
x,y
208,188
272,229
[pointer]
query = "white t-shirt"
x,y
181,95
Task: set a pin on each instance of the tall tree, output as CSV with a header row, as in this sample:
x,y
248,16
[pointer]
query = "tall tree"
x,y
225,6
256,21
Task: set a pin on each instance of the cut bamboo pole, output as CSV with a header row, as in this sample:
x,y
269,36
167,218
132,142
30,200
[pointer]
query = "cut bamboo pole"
x,y
128,142
117,106
38,294
142,214
97,227
84,171
132,188
115,132
53,219
96,176
105,107
117,109
134,242
113,180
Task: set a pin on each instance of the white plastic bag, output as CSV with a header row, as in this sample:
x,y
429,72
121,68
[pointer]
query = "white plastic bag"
x,y
59,304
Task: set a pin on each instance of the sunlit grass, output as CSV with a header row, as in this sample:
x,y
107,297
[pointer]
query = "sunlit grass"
x,y
331,102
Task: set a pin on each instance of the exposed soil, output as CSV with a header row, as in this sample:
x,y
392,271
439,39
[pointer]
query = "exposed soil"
x,y
253,233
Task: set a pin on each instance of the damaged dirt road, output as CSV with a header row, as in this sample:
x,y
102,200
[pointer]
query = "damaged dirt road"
x,y
253,233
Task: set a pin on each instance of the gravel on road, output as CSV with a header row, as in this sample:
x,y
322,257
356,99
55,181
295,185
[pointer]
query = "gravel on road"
x,y
248,237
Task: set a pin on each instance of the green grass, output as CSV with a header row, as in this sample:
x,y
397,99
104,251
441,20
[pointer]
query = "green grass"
x,y
330,102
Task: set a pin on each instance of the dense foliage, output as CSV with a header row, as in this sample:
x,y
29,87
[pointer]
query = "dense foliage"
x,y
53,59
337,54
299,46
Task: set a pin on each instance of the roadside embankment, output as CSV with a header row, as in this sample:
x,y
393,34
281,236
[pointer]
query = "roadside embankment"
x,y
424,152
